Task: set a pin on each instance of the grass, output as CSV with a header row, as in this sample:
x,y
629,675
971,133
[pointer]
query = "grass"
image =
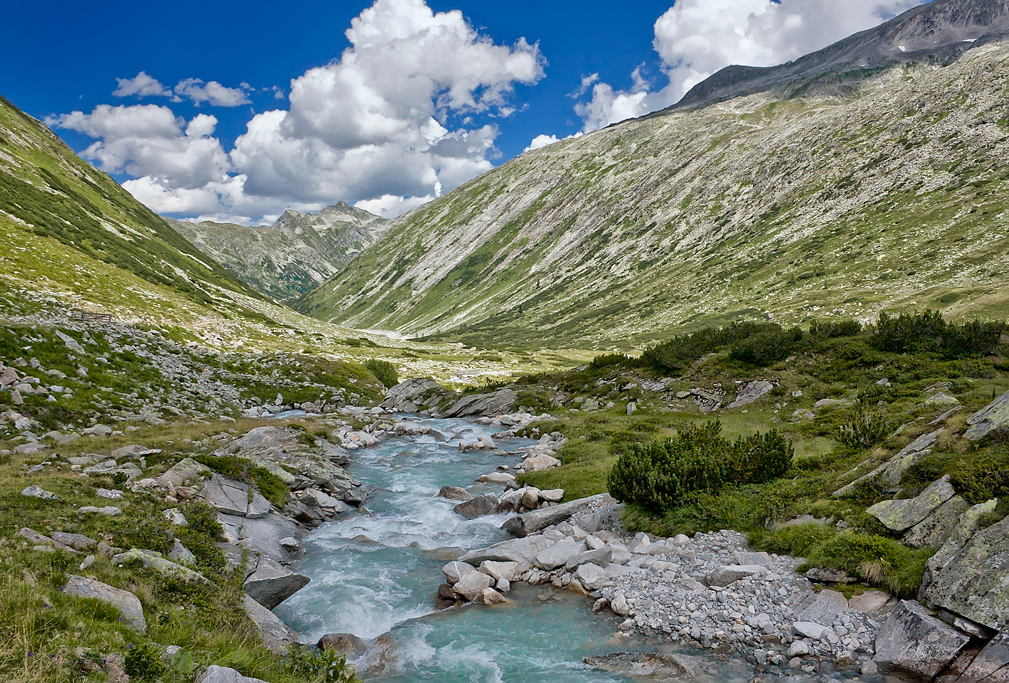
x,y
842,368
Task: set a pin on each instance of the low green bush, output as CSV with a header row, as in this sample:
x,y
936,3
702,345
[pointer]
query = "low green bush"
x,y
830,329
769,346
270,485
613,360
326,666
663,475
928,331
863,426
680,351
384,371
143,663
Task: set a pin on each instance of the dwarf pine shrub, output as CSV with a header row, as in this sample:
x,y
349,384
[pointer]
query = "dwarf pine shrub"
x,y
384,371
678,352
928,331
663,475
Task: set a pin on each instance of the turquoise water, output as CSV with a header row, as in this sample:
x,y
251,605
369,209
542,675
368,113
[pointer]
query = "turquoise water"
x,y
375,575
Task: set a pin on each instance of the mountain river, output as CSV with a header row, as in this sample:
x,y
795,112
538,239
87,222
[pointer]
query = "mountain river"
x,y
375,574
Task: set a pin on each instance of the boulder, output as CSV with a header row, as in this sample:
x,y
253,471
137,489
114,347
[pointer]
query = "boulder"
x,y
496,478
40,493
408,396
592,576
993,417
454,571
500,570
941,399
97,430
259,506
822,608
489,596
226,495
750,392
222,674
495,403
935,530
181,554
455,493
537,520
748,558
964,530
263,535
271,583
558,554
477,507
552,495
540,463
175,517
726,575
991,665
974,581
134,451
184,471
915,644
471,586
650,666
75,541
344,643
600,557
127,603
155,562
530,498
869,601
276,635
520,550
901,515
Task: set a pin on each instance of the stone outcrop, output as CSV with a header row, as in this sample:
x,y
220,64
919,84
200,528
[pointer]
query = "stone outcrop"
x,y
901,515
537,520
994,417
750,392
916,644
890,472
222,674
271,583
276,635
127,603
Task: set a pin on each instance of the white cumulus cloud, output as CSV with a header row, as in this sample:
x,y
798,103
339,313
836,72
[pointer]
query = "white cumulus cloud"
x,y
696,38
140,85
389,125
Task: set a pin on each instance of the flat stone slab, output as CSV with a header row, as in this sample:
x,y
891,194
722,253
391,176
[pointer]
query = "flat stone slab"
x,y
822,608
901,515
991,665
558,554
159,564
751,392
221,674
271,583
974,581
276,635
994,416
40,493
869,601
521,550
127,603
184,471
537,520
936,529
227,496
914,643
734,572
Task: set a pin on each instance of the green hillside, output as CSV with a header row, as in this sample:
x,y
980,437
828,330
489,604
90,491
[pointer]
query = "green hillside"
x,y
885,190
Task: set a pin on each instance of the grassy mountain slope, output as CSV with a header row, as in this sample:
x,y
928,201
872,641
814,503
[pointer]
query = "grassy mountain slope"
x,y
892,196
294,255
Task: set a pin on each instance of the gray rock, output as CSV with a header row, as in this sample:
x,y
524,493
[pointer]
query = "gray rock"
x,y
654,666
226,495
97,430
40,493
175,516
407,396
259,506
521,550
995,416
496,403
913,643
455,493
344,643
75,541
180,554
276,635
965,528
748,558
991,665
592,576
498,571
823,575
869,601
261,535
941,399
221,674
890,472
155,562
454,571
822,608
901,515
127,603
109,494
559,554
537,520
471,586
600,557
811,629
732,573
935,530
35,537
974,582
477,507
184,471
271,583
751,392
107,511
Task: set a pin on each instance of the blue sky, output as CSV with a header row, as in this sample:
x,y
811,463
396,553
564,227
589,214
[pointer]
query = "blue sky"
x,y
497,77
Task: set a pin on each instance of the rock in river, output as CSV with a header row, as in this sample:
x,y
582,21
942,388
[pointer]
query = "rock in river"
x,y
271,583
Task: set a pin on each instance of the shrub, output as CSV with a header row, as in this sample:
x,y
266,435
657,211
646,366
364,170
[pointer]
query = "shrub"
x,y
143,663
613,360
764,348
663,475
384,371
678,352
863,426
928,331
831,329
323,665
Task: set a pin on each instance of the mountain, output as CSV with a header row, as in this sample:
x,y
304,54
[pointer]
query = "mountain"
x,y
888,193
938,32
48,190
295,254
